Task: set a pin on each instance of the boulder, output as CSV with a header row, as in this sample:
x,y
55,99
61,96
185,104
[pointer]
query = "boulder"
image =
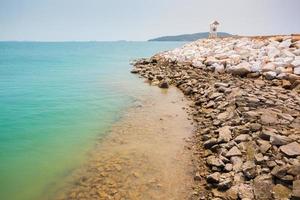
x,y
241,69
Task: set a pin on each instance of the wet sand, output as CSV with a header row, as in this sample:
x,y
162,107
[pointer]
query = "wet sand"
x,y
144,156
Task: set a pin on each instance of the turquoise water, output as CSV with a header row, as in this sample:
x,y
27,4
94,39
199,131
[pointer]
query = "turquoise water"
x,y
55,100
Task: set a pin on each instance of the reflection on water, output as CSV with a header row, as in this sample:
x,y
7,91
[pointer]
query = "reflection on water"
x,y
143,157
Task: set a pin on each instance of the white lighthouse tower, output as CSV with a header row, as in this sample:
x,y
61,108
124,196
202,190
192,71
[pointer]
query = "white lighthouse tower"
x,y
213,29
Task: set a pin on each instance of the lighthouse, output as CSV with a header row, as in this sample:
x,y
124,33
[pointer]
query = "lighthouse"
x,y
213,29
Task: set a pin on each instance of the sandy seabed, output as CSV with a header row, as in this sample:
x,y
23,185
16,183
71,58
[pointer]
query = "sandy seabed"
x,y
144,156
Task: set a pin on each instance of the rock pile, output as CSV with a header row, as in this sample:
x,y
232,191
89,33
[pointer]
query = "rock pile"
x,y
248,129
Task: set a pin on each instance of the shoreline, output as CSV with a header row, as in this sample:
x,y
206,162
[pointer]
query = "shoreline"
x,y
248,119
144,155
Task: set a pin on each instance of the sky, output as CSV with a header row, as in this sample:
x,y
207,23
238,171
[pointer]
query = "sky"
x,y
138,20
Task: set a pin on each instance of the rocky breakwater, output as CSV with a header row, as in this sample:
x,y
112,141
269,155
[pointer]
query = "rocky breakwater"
x,y
246,96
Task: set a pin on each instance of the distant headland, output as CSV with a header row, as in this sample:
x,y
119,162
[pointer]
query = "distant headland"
x,y
188,37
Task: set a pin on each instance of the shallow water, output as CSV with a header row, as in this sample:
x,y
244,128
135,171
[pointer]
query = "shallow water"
x,y
56,99
144,156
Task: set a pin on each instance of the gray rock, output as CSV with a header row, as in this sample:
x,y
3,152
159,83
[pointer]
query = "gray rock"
x,y
224,134
237,163
255,127
225,185
264,146
291,149
249,169
234,151
279,171
259,158
242,69
228,167
242,138
209,143
279,140
163,84
214,161
213,178
270,75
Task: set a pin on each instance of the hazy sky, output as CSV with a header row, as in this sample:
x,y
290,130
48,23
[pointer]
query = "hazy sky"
x,y
57,20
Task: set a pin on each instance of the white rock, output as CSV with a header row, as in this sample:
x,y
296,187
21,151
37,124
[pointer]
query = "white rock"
x,y
296,62
219,68
285,44
268,67
297,70
255,67
273,52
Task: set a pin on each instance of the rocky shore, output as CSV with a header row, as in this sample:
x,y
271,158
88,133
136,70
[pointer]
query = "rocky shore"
x,y
246,107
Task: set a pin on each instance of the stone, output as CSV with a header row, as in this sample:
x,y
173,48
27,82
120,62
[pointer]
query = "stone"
x,y
291,149
245,192
262,187
228,167
279,171
197,176
270,75
264,146
268,67
296,189
297,70
266,134
163,84
281,192
214,161
224,134
249,169
242,138
259,158
255,127
269,118
273,52
225,185
237,163
296,62
209,143
279,140
234,151
213,178
294,170
219,68
286,84
241,69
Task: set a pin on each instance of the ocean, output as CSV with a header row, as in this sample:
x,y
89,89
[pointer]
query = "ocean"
x,y
56,99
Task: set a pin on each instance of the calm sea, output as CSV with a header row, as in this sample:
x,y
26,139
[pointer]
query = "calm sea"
x,y
55,100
